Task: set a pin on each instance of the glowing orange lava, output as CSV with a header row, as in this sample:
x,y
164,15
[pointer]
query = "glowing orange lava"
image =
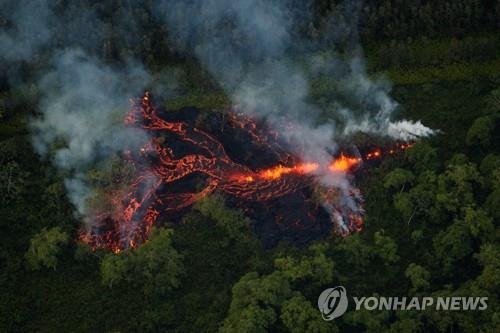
x,y
277,172
345,163
158,167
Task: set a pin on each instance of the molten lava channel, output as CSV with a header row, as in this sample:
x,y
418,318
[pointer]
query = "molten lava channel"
x,y
158,167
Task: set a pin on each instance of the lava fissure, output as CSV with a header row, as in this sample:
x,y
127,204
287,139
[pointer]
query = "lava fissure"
x,y
160,166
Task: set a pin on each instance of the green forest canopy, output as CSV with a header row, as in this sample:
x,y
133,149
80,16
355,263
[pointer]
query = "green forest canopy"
x,y
432,225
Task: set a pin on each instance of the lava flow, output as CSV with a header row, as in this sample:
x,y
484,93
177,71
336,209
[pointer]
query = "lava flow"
x,y
180,154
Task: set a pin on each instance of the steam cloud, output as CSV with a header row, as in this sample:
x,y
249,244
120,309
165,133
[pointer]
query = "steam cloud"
x,y
82,100
83,105
245,45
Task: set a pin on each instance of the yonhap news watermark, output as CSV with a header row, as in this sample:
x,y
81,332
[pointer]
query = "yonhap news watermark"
x,y
334,302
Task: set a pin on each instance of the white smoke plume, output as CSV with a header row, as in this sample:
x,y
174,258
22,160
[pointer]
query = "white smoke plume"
x,y
246,46
255,49
249,46
408,130
82,100
83,105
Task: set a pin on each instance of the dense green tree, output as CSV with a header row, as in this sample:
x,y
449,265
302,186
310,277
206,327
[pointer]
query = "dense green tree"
x,y
407,325
456,184
480,224
156,266
398,178
422,156
453,245
44,248
386,248
299,315
253,302
369,321
316,267
490,261
480,132
418,276
492,204
114,268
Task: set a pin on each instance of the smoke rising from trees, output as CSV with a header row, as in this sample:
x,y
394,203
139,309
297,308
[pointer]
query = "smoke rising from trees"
x,y
244,45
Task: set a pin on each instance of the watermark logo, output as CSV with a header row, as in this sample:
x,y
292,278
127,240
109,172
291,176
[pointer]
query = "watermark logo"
x,y
333,303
